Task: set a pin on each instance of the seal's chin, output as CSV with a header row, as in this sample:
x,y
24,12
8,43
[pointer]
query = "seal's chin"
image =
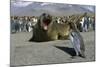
x,y
45,27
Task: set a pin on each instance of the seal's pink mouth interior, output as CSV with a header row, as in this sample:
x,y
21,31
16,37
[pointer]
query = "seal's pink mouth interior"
x,y
46,22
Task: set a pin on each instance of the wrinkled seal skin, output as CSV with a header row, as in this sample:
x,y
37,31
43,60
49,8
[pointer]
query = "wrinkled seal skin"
x,y
47,29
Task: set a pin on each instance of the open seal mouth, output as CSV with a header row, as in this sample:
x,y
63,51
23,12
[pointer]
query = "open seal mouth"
x,y
46,22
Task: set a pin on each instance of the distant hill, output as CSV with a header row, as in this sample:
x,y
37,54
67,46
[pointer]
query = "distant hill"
x,y
36,8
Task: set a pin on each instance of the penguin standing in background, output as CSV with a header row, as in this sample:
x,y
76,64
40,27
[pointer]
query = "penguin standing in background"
x,y
77,41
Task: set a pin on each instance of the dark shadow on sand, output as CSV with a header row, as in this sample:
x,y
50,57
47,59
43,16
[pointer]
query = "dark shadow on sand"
x,y
68,50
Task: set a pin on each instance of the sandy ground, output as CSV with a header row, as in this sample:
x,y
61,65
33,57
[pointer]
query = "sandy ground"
x,y
60,51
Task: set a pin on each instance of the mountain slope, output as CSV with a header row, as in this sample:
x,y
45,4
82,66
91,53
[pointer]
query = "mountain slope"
x,y
36,8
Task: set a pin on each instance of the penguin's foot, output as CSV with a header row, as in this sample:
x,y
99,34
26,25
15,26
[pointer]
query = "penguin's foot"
x,y
83,56
77,56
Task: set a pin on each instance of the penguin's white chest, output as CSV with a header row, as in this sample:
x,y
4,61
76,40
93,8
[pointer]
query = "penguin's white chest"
x,y
75,40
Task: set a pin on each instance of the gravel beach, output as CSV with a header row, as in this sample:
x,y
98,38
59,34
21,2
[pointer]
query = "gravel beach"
x,y
24,52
